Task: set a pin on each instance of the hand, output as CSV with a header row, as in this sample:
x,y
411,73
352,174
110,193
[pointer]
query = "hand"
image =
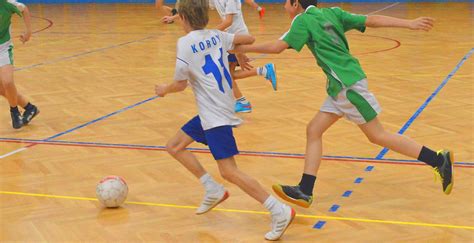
x,y
422,23
167,20
25,37
161,90
243,61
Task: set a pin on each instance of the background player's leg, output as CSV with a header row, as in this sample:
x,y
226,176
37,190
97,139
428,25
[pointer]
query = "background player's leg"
x,y
253,4
9,87
240,74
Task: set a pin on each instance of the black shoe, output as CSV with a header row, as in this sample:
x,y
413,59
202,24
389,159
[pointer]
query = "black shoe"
x,y
445,171
17,120
29,114
293,194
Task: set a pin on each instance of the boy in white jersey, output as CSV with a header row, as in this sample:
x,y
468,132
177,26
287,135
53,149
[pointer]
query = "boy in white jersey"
x,y
171,13
7,87
233,22
201,62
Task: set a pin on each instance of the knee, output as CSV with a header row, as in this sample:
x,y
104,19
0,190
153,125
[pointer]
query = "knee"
x,y
228,175
313,130
172,148
377,138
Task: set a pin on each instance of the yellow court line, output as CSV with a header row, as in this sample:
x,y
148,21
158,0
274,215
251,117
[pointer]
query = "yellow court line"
x,y
250,211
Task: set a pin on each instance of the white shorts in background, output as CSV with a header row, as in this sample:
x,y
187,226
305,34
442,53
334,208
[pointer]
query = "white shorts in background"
x,y
6,56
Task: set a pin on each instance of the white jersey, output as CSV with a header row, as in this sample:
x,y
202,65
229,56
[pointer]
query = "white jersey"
x,y
202,60
226,7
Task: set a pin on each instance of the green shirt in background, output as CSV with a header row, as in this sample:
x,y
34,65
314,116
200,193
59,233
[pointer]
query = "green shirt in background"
x,y
7,9
323,31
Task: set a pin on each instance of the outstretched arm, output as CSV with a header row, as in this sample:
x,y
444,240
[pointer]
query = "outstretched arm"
x,y
164,89
269,47
422,23
27,18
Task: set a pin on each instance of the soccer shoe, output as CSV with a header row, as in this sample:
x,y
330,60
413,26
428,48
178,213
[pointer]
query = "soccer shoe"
x,y
271,75
445,171
243,108
212,200
293,194
280,222
29,114
17,121
261,12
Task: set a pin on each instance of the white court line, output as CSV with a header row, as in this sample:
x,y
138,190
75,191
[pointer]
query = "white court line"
x,y
382,9
13,152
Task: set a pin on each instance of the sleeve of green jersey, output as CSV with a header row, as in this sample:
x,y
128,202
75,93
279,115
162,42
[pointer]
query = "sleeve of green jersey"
x,y
352,21
298,34
14,9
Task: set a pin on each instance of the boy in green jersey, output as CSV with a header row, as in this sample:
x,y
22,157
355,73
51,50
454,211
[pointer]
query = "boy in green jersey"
x,y
323,32
7,87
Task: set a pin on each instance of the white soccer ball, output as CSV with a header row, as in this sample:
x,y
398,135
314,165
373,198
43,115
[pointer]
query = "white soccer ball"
x,y
112,191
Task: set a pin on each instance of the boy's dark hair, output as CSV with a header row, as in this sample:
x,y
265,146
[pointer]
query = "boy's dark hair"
x,y
305,3
195,12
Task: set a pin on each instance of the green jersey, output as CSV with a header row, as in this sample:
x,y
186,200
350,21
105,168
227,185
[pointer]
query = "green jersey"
x,y
7,9
322,30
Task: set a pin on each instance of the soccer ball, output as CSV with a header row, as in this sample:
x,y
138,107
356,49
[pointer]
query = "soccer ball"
x,y
112,191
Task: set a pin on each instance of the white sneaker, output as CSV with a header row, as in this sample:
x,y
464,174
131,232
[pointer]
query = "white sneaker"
x,y
280,222
212,200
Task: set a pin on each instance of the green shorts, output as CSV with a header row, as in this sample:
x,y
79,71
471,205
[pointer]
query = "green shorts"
x,y
356,103
6,56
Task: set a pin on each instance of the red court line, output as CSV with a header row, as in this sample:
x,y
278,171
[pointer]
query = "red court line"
x,y
31,144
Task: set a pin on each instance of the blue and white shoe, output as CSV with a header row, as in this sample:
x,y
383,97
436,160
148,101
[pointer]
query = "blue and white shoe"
x,y
271,75
243,108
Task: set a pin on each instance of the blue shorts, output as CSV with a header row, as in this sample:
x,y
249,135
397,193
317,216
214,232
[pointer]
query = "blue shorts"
x,y
220,140
232,58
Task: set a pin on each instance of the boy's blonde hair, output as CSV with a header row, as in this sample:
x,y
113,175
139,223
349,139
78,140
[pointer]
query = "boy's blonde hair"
x,y
195,12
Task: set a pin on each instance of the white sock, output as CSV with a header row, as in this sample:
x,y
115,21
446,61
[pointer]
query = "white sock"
x,y
273,205
262,71
242,100
209,184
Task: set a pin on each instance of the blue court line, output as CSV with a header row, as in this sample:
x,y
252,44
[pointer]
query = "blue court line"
x,y
100,119
347,194
333,208
49,139
244,152
81,54
427,101
319,224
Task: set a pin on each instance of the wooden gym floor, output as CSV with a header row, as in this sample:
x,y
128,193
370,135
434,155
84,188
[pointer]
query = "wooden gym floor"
x,y
91,69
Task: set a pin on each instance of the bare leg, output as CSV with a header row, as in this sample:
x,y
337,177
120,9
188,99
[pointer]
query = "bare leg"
x,y
230,172
176,147
314,143
235,88
252,3
396,142
241,74
10,91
